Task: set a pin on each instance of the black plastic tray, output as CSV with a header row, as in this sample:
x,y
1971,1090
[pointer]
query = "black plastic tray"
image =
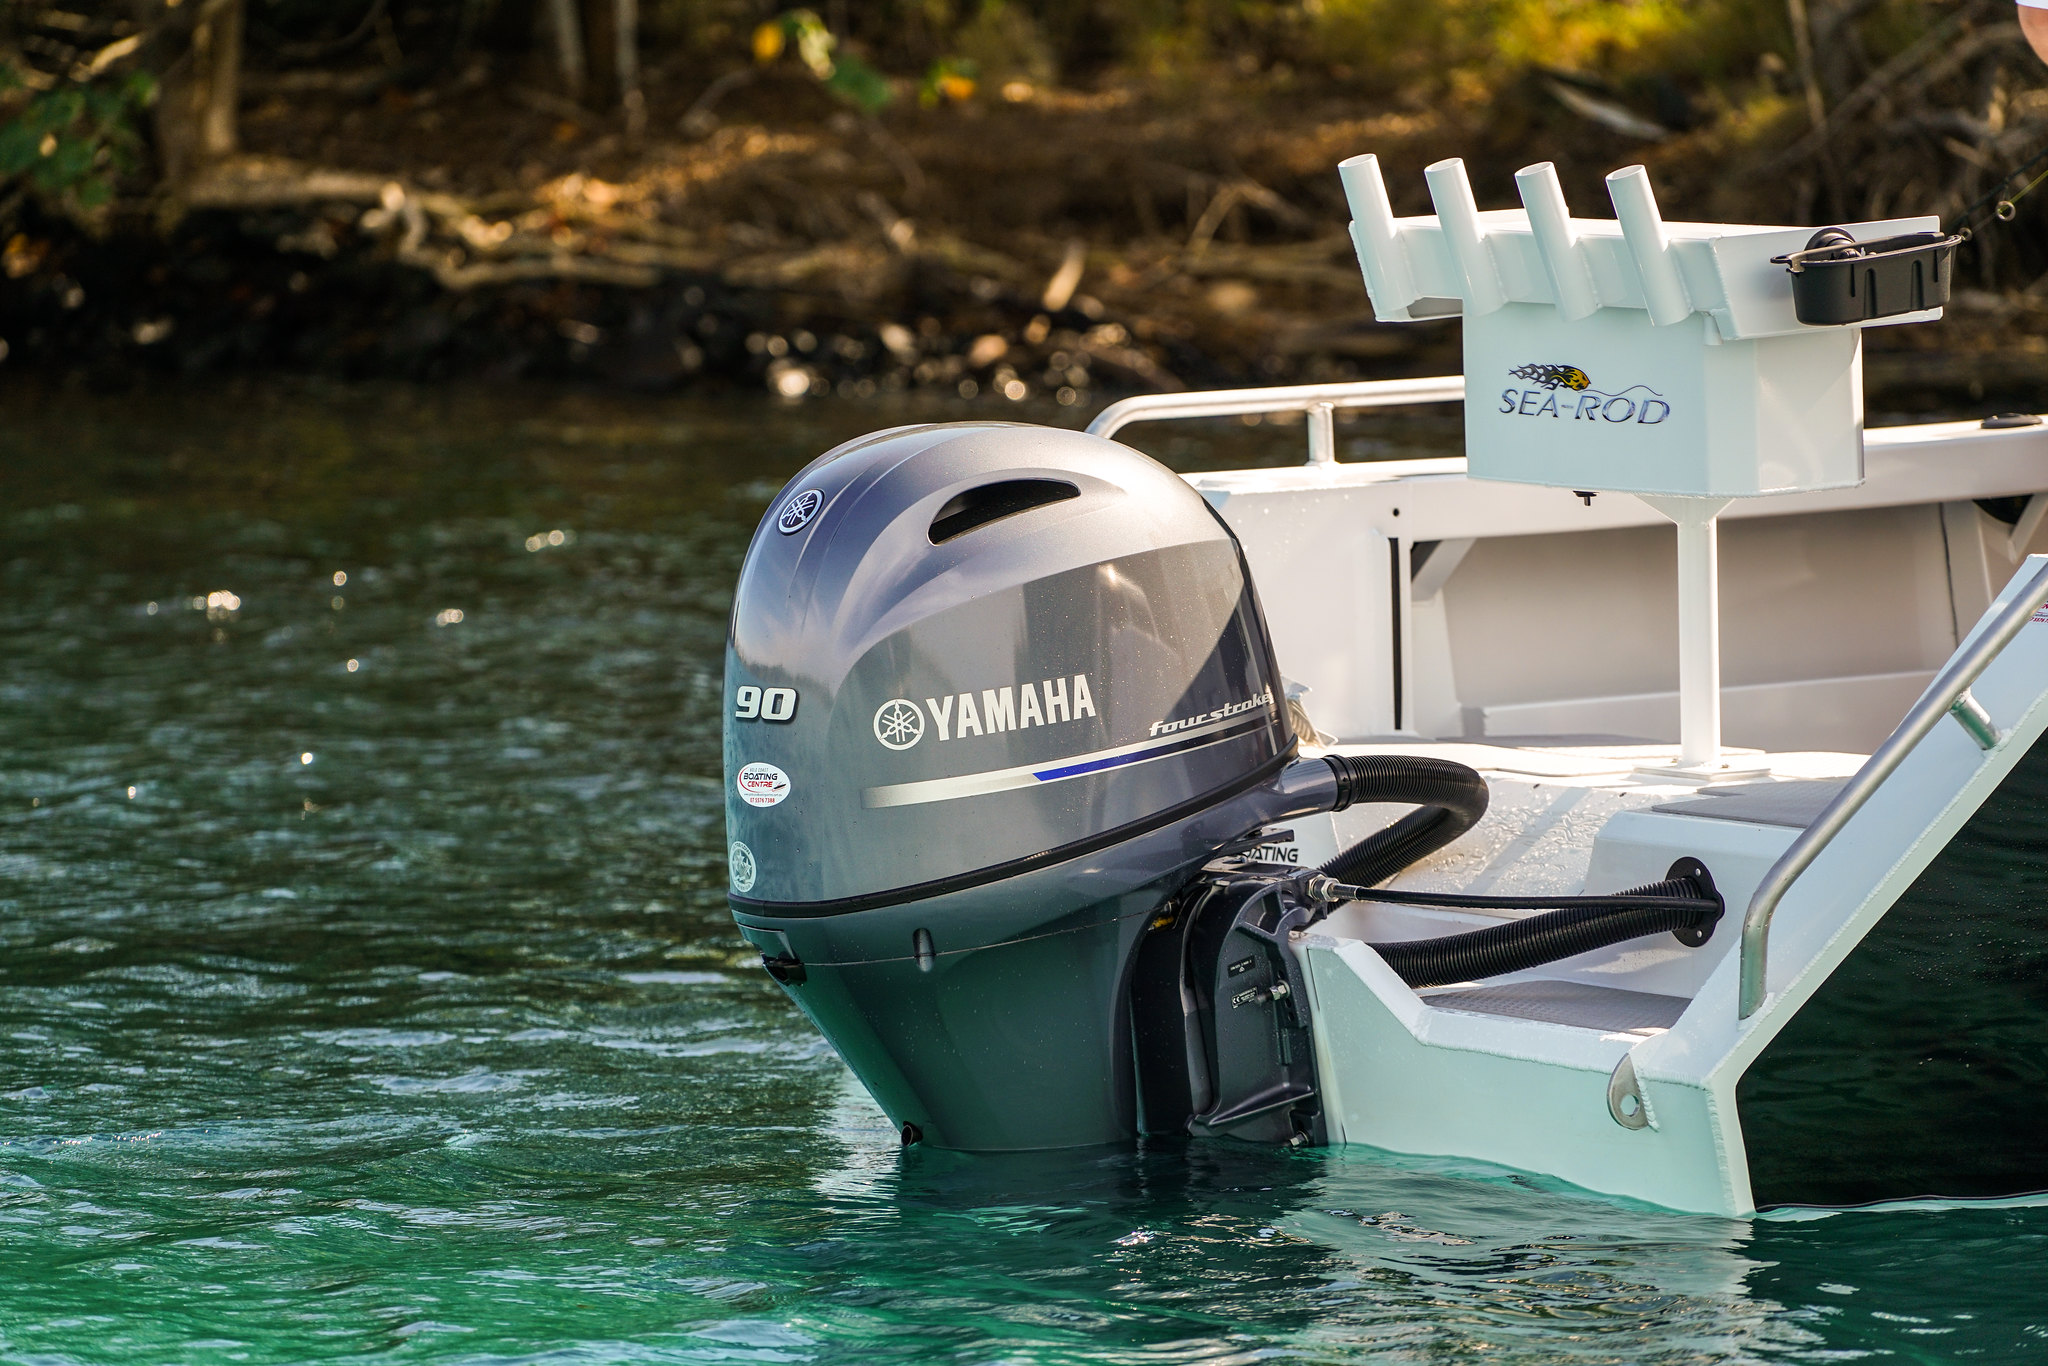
x,y
1838,279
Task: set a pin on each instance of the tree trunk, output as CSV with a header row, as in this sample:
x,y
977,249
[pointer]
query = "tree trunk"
x,y
196,110
221,37
626,32
601,43
568,34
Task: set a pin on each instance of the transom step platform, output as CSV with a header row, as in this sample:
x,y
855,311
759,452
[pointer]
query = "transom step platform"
x,y
1581,1005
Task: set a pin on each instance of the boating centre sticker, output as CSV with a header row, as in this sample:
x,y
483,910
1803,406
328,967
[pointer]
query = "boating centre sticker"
x,y
740,860
1638,403
796,514
761,784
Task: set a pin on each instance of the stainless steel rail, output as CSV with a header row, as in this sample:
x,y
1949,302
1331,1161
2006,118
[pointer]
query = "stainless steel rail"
x,y
1319,401
1948,694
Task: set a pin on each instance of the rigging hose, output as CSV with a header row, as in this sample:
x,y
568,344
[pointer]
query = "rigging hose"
x,y
1684,903
1451,798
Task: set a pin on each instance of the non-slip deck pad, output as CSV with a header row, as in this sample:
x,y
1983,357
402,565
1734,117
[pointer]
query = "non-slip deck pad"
x,y
1579,1004
1920,1067
1796,803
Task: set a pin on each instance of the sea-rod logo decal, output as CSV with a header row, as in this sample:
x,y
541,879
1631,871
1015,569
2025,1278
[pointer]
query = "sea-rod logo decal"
x,y
1566,391
899,723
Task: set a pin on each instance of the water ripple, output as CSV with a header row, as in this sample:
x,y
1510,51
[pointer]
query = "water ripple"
x,y
441,1047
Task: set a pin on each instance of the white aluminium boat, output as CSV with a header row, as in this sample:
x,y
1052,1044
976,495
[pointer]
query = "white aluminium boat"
x,y
1390,805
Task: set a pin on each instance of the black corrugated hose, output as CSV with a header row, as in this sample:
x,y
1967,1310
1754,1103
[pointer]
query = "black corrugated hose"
x,y
1450,799
1451,796
1684,903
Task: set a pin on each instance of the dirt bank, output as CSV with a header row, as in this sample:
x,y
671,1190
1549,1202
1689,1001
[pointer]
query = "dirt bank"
x,y
1043,241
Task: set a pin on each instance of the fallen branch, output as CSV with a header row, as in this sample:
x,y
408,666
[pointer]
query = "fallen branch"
x,y
1905,75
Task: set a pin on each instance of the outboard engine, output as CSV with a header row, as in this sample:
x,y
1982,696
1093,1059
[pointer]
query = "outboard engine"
x,y
994,694
1004,733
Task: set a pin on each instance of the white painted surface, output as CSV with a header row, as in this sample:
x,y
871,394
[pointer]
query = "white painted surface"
x,y
1851,714
1558,618
1403,1075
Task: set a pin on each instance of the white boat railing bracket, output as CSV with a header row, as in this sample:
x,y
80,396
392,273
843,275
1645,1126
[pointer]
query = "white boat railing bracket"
x,y
1321,402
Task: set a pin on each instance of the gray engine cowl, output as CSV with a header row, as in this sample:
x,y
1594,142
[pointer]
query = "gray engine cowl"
x,y
994,693
961,652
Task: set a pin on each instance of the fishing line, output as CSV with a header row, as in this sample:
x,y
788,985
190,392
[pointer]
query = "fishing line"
x,y
2005,208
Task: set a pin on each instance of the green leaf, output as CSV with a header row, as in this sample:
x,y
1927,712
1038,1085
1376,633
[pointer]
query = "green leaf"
x,y
858,83
18,148
814,42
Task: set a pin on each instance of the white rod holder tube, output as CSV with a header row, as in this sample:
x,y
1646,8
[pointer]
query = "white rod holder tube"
x,y
1458,212
1550,221
1642,226
1375,235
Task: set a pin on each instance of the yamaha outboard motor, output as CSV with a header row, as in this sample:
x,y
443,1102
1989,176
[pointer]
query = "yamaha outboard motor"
x,y
994,693
1004,732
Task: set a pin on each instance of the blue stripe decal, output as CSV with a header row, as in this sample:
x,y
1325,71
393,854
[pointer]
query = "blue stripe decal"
x,y
1052,775
923,790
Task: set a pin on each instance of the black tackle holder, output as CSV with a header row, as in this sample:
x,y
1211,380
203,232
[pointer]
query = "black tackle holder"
x,y
1838,279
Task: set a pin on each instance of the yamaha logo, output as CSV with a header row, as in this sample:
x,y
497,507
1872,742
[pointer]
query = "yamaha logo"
x,y
899,724
796,514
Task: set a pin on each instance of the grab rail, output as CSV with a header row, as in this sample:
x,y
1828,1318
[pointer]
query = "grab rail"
x,y
1947,695
1319,401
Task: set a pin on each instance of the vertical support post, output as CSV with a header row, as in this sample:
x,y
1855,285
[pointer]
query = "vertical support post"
x,y
1699,641
1322,434
1699,629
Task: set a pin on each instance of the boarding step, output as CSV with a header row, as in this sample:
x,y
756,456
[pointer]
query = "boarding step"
x,y
1794,802
1582,1005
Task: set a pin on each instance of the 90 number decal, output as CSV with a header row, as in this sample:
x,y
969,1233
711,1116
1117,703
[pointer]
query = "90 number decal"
x,y
764,704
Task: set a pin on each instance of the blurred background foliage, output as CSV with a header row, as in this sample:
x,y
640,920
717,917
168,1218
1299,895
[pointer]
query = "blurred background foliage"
x,y
84,70
864,165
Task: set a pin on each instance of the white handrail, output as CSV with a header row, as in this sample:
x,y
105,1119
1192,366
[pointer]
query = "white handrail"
x,y
1320,401
1948,694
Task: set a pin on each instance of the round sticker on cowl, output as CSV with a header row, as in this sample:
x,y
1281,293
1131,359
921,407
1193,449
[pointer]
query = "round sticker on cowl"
x,y
761,784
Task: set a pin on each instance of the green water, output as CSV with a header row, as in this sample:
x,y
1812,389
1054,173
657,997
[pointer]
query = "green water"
x,y
440,1045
